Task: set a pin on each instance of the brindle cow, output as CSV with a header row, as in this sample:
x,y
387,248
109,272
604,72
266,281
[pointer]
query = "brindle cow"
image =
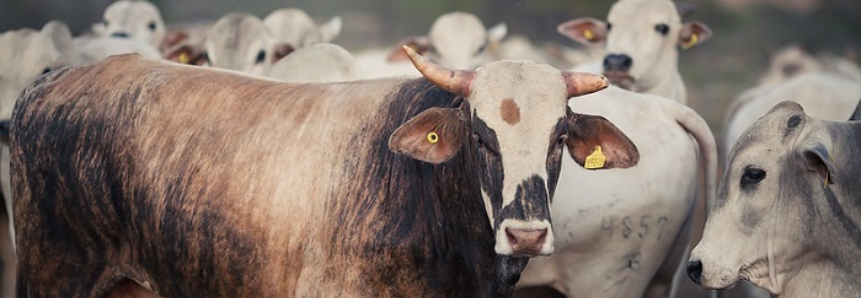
x,y
788,210
207,183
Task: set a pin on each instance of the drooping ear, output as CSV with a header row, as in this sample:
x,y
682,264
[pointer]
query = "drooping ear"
x,y
693,33
330,29
433,136
281,50
420,44
819,160
585,132
497,33
587,31
188,54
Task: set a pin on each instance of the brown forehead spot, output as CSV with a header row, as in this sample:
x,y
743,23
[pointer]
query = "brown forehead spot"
x,y
510,111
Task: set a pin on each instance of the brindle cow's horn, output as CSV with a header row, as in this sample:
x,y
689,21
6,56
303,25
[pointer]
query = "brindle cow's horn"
x,y
581,83
454,81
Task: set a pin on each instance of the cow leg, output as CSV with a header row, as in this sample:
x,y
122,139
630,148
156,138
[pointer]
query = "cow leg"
x,y
662,284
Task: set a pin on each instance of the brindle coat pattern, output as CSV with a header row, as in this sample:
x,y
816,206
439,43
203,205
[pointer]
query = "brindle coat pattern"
x,y
156,211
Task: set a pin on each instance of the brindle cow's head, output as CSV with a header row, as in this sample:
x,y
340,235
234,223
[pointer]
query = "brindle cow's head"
x,y
517,124
772,203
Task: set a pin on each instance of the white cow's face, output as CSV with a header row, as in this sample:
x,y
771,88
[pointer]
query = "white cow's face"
x,y
640,37
133,19
516,124
765,219
239,42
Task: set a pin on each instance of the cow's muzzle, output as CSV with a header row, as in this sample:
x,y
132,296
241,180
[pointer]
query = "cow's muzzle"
x,y
524,239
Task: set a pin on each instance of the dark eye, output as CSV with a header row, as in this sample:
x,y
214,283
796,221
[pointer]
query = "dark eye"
x,y
478,140
105,23
561,139
752,176
152,26
481,49
46,70
662,28
609,26
260,57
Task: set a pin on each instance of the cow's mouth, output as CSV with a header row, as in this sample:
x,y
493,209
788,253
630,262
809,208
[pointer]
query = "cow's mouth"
x,y
621,79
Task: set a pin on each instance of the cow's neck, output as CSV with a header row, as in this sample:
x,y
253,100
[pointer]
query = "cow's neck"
x,y
424,224
822,279
664,79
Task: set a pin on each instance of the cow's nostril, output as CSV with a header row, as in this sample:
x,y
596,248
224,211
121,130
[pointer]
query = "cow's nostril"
x,y
120,35
695,271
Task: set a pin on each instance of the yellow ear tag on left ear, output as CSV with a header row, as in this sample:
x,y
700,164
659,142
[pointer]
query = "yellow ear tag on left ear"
x,y
183,58
588,34
433,138
596,159
691,42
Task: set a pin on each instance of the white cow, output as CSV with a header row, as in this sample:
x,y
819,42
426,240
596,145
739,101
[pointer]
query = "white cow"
x,y
322,62
627,241
827,86
237,41
456,40
641,38
132,19
292,26
89,50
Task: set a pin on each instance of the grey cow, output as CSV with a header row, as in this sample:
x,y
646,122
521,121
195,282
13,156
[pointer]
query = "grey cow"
x,y
788,210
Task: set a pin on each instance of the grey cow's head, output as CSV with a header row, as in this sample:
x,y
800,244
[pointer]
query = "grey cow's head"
x,y
517,124
640,38
774,211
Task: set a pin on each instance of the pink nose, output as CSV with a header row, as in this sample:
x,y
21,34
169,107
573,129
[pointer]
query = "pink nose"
x,y
526,242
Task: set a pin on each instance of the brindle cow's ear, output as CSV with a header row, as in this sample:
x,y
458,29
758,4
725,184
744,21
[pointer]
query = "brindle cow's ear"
x,y
433,136
585,132
819,160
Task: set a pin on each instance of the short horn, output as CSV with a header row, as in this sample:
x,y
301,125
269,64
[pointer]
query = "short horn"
x,y
454,81
581,83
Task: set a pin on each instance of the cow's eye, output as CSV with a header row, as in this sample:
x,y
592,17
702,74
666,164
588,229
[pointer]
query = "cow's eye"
x,y
662,28
478,140
481,49
609,26
561,139
105,23
752,176
152,26
260,57
46,70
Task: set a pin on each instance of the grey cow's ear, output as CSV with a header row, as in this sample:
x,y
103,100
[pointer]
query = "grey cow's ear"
x,y
819,160
587,132
433,136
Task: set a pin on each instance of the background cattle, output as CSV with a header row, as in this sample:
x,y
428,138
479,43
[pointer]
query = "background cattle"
x,y
628,241
133,19
386,187
787,214
293,27
456,39
641,37
317,63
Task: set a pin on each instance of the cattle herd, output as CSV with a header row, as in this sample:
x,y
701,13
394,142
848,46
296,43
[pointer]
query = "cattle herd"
x,y
254,158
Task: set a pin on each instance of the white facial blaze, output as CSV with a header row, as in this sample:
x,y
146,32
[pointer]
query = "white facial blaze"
x,y
539,94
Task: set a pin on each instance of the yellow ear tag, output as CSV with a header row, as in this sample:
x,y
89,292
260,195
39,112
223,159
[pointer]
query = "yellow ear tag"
x,y
588,34
183,58
691,42
596,159
433,138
